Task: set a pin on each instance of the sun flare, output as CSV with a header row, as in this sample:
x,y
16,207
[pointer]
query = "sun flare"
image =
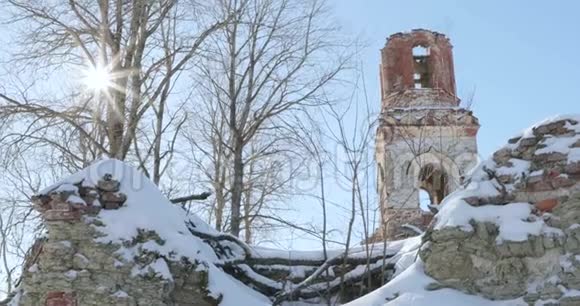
x,y
97,78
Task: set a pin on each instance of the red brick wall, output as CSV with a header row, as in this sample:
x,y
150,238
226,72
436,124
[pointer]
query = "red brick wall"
x,y
396,218
60,299
397,62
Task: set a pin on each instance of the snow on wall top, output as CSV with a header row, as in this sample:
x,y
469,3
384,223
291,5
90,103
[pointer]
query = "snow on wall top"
x,y
542,153
147,209
529,132
408,289
540,163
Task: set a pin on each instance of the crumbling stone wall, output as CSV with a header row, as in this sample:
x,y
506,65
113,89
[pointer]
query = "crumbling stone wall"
x,y
69,268
88,258
545,268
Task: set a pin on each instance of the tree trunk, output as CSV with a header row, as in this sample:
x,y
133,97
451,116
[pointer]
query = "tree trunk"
x,y
237,189
248,205
247,220
219,213
115,133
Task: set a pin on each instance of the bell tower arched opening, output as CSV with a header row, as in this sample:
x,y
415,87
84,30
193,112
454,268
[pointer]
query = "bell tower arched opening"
x,y
414,64
421,71
434,180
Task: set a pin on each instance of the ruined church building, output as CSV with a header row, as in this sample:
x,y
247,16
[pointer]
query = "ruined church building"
x,y
108,243
426,141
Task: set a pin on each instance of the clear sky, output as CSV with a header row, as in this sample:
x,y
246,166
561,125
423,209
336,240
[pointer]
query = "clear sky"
x,y
521,57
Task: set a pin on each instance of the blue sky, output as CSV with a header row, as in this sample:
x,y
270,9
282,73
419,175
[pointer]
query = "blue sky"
x,y
521,57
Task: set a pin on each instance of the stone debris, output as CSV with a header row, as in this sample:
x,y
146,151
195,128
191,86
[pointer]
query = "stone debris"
x,y
545,267
94,255
69,268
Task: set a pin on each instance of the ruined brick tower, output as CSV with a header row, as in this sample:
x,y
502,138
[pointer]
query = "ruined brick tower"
x,y
425,140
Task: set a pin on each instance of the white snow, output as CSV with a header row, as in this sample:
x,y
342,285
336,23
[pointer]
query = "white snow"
x,y
33,268
147,209
527,133
413,228
518,167
408,289
510,219
557,145
159,267
574,155
575,127
15,301
537,173
62,187
261,252
406,254
572,293
374,250
234,292
75,199
546,302
262,279
120,294
515,220
71,274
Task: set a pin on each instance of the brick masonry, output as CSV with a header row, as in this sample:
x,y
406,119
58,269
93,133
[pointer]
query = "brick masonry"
x,y
69,268
418,128
397,70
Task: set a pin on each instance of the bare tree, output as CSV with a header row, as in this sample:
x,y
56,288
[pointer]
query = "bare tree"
x,y
274,57
136,50
132,53
19,225
311,139
348,129
272,160
355,147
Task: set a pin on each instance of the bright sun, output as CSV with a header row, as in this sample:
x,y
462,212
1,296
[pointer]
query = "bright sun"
x,y
97,78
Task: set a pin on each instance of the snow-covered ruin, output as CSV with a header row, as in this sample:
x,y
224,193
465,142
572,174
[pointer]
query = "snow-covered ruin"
x,y
114,239
509,236
508,233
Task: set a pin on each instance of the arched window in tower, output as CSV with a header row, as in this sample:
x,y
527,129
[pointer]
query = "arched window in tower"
x,y
434,181
421,70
